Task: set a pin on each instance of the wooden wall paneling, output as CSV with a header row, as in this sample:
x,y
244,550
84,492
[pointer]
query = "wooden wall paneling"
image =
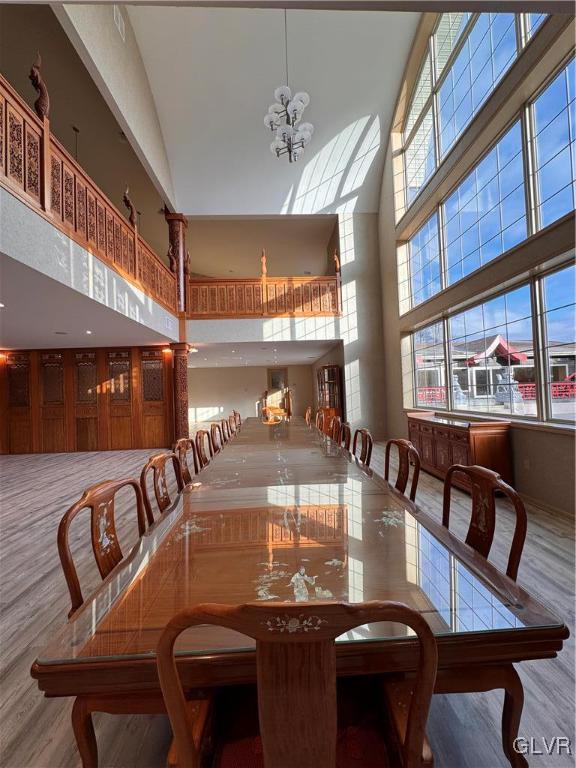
x,y
137,415
4,414
120,399
52,410
153,380
35,414
18,402
170,414
85,397
102,400
69,411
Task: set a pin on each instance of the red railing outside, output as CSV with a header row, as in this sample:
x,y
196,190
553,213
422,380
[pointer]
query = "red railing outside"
x,y
430,395
559,390
36,168
264,297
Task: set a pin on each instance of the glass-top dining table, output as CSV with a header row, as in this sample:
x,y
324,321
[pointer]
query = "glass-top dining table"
x,y
282,515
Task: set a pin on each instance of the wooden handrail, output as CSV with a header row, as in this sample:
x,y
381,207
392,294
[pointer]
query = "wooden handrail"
x,y
265,296
38,170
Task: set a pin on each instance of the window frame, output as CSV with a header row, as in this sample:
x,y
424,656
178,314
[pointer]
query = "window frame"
x,y
544,412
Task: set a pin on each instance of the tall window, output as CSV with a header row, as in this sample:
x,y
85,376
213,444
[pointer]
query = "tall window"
x,y
554,114
467,56
486,54
424,258
486,213
560,343
430,366
492,354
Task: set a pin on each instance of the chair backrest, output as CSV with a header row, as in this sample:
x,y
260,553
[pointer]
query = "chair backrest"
x,y
157,465
308,415
181,449
216,438
296,675
334,429
226,434
237,419
99,499
320,420
407,454
366,443
203,439
345,435
232,424
483,485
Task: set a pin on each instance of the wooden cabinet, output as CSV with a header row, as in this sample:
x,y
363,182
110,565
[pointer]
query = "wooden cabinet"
x,y
442,441
330,393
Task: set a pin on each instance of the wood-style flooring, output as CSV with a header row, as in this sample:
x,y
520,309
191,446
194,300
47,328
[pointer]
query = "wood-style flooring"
x,y
35,732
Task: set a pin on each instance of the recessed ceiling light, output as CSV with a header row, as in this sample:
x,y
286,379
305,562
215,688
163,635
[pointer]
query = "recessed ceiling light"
x,y
1,305
233,351
61,333
205,358
89,333
193,350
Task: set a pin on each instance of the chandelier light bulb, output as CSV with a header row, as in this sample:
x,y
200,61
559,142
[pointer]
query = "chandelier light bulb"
x,y
306,127
276,109
303,98
276,146
283,94
297,153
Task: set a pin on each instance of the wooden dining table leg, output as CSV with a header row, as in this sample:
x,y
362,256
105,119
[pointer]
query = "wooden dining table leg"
x,y
511,714
84,733
489,678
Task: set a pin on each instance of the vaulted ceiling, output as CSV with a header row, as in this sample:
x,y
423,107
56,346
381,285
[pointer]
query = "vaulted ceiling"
x,y
213,73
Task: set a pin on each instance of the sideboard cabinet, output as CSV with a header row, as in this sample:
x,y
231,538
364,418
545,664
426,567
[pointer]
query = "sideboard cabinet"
x,y
443,441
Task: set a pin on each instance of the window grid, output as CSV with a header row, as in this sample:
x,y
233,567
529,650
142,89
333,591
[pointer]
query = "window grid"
x,y
440,69
420,156
498,222
553,146
424,266
542,398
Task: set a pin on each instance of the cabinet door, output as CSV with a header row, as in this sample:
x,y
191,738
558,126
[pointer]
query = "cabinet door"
x,y
460,452
443,454
427,449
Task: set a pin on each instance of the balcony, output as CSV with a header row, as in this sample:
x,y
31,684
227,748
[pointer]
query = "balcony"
x,y
215,298
35,168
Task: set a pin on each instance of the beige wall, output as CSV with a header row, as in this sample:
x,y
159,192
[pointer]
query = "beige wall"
x,y
543,459
75,100
216,392
224,247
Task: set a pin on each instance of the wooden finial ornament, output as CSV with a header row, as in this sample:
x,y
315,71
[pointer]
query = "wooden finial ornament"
x,y
128,203
336,262
172,258
263,263
42,103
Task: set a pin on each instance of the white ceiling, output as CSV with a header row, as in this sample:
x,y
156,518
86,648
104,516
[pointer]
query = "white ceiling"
x,y
37,307
213,73
270,354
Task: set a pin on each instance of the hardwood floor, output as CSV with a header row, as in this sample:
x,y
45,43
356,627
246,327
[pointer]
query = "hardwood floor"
x,y
35,732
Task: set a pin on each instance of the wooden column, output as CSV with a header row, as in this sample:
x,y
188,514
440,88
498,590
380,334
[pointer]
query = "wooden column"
x,y
180,357
178,255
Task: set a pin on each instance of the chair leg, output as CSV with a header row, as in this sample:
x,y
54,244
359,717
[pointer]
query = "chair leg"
x,y
84,733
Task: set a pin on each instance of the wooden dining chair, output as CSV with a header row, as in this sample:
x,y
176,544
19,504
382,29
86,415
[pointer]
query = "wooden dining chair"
x,y
308,415
320,421
232,424
182,448
296,683
216,438
345,435
203,439
407,455
335,428
237,419
366,444
226,434
484,483
157,466
99,499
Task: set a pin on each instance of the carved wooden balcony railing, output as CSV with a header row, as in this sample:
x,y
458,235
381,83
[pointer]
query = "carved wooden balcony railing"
x,y
37,169
212,298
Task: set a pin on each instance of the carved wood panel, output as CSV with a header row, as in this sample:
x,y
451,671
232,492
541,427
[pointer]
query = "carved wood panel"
x,y
18,380
2,138
56,186
15,147
32,163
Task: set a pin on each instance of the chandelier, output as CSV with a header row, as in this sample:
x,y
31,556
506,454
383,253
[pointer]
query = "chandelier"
x,y
284,117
